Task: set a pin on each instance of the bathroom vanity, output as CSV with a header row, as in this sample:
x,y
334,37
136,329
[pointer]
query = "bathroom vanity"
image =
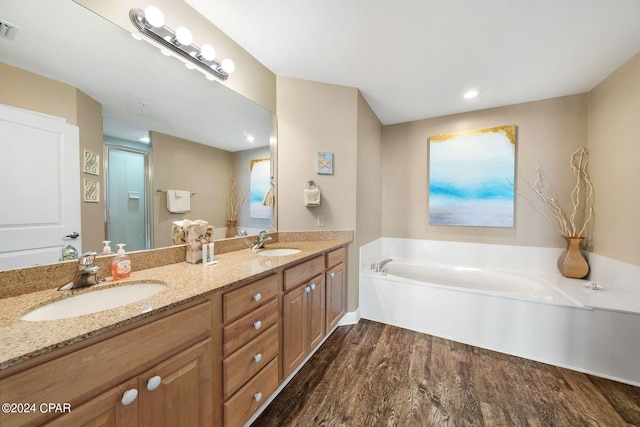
x,y
208,350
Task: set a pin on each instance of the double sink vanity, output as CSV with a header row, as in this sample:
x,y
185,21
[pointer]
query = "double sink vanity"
x,y
207,346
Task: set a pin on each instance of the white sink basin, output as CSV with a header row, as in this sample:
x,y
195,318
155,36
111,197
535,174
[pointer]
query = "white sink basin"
x,y
93,302
278,252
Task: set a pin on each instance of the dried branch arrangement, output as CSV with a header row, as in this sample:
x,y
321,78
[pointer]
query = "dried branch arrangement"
x,y
235,202
574,225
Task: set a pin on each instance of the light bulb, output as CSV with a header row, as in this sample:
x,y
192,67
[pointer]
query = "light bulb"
x,y
208,52
154,16
228,66
184,36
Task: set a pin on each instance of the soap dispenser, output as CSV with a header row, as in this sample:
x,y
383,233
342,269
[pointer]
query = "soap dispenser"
x,y
106,250
121,264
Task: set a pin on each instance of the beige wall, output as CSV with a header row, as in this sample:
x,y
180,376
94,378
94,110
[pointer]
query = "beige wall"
x,y
316,117
30,91
368,186
614,125
89,120
251,78
184,165
34,92
547,131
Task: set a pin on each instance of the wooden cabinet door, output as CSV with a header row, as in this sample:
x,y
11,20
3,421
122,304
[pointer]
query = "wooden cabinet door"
x,y
179,391
336,295
316,311
106,410
294,329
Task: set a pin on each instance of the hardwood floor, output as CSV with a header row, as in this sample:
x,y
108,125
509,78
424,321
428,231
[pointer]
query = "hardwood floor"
x,y
371,374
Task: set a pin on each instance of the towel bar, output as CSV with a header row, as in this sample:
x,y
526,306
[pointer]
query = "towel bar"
x,y
158,190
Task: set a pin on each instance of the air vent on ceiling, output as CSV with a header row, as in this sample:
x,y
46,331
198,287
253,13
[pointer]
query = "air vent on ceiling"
x,y
8,31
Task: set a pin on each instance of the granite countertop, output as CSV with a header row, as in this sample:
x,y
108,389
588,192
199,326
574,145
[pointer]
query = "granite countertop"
x,y
22,340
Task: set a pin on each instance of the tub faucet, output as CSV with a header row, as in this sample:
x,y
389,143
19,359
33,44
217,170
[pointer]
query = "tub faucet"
x,y
260,242
378,266
86,275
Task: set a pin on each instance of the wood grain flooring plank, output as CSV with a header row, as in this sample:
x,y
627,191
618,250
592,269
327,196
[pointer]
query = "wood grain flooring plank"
x,y
624,398
419,372
372,374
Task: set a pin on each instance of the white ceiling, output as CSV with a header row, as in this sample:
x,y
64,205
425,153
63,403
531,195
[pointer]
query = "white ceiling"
x,y
413,59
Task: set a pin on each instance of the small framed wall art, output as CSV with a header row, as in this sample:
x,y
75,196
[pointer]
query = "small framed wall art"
x,y
324,164
91,191
91,162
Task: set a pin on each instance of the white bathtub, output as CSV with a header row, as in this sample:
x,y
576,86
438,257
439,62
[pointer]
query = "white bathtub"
x,y
528,286
536,314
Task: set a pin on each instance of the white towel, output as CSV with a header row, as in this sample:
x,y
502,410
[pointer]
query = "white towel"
x,y
311,197
178,201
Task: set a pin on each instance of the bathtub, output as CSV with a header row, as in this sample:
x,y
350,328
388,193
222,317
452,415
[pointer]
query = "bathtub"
x,y
530,312
527,286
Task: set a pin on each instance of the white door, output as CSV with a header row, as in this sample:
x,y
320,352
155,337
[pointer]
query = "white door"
x,y
39,187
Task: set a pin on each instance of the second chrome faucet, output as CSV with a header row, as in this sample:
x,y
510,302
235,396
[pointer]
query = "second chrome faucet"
x,y
261,240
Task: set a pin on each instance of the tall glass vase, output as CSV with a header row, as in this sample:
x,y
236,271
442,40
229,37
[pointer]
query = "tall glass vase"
x,y
572,263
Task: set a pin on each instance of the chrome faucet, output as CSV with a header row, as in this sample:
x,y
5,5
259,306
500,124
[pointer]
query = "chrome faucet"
x,y
262,239
378,266
86,275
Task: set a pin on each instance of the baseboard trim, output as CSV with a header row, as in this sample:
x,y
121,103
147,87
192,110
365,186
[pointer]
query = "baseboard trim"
x,y
351,318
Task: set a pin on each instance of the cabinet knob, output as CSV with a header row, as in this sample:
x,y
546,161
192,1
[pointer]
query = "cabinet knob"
x,y
307,289
257,297
332,274
129,396
257,325
313,286
154,382
257,358
257,397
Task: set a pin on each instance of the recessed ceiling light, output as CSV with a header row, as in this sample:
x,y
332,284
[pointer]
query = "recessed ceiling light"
x,y
471,93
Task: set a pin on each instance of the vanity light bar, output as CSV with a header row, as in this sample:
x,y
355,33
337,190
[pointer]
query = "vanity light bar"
x,y
167,38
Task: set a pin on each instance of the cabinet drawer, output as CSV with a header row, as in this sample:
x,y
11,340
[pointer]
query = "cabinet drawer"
x,y
72,375
335,257
241,301
295,276
246,362
247,328
244,403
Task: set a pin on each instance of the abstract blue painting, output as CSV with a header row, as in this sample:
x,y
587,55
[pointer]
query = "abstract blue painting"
x,y
471,177
259,184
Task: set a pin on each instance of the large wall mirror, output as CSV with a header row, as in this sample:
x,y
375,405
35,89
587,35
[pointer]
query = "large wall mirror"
x,y
202,134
